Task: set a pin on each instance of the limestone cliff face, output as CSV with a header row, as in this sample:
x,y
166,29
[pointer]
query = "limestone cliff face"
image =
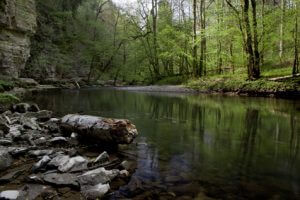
x,y
17,24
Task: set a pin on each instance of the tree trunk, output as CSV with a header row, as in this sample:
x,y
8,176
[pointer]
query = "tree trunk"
x,y
253,69
296,44
256,69
202,66
195,48
99,130
282,6
155,46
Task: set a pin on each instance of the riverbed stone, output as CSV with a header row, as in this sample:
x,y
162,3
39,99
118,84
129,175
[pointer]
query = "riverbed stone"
x,y
41,152
5,142
5,159
41,163
10,176
59,160
10,194
32,191
58,140
62,180
102,158
97,176
74,164
43,115
95,192
21,107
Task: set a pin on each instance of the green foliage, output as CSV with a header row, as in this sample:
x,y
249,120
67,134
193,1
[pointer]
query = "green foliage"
x,y
8,98
6,85
96,40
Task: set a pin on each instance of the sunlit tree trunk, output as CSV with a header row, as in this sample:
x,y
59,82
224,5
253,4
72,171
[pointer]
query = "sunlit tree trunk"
x,y
202,65
282,6
296,42
195,48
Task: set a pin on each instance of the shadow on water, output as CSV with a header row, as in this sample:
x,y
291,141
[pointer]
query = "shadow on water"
x,y
190,145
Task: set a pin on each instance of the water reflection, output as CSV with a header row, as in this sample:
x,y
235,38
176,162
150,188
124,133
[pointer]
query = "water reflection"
x,y
245,147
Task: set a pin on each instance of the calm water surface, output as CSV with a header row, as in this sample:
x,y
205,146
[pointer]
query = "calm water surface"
x,y
229,147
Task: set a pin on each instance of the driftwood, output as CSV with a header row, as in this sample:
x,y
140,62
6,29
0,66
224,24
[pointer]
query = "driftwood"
x,y
98,129
283,77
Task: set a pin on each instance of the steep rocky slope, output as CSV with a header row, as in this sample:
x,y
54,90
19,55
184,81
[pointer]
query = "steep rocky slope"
x,y
17,23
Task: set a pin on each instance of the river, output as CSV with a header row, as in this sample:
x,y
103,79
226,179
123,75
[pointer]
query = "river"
x,y
225,147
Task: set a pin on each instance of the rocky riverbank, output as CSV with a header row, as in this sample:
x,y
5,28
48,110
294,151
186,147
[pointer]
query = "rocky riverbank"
x,y
42,157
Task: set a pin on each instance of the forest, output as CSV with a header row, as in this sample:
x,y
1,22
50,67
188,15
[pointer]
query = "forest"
x,y
168,41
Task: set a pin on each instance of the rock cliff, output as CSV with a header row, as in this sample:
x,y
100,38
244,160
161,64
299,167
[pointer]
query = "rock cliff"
x,y
17,24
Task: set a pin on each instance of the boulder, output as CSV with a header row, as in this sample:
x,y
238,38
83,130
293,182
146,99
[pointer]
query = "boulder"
x,y
97,176
118,131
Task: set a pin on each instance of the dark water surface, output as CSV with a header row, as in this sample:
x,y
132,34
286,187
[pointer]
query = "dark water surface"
x,y
225,147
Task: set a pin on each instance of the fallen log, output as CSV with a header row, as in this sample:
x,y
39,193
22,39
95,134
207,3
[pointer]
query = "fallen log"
x,y
98,129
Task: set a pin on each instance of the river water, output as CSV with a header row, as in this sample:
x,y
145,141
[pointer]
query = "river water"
x,y
223,147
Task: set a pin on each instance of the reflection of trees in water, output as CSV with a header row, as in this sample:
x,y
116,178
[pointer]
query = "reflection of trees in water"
x,y
248,140
294,141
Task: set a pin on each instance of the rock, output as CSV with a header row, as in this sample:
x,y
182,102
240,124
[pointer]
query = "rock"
x,y
95,192
41,141
97,176
58,140
5,142
102,158
18,23
74,164
41,163
43,115
10,176
35,179
15,131
21,107
29,123
18,151
124,173
32,191
97,129
74,135
61,180
27,82
126,165
5,159
10,194
3,125
60,160
41,152
51,126
34,108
